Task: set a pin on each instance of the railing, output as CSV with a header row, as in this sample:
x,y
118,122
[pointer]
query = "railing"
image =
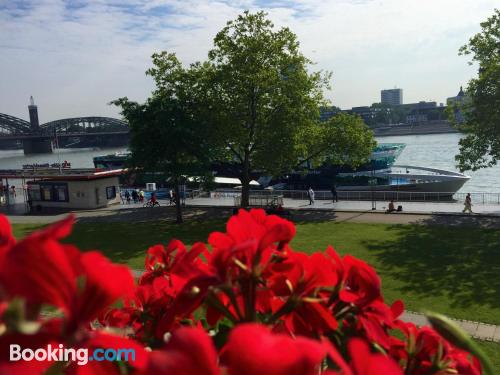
x,y
261,200
367,195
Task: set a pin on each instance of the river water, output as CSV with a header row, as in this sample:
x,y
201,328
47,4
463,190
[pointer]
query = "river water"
x,y
436,150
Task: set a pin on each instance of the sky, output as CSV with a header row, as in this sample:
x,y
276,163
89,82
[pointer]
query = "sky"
x,y
76,56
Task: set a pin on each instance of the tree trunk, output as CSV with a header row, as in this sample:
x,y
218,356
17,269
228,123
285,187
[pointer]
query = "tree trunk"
x,y
178,208
245,182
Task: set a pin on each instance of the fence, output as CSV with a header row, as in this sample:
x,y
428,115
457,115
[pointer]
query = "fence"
x,y
367,195
261,200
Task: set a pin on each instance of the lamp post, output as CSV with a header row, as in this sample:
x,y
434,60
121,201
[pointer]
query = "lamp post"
x,y
373,182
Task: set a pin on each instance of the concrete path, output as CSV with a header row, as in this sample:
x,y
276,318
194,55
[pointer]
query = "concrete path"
x,y
478,330
205,208
412,207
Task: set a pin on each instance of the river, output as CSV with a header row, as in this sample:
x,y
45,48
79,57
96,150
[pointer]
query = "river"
x,y
434,150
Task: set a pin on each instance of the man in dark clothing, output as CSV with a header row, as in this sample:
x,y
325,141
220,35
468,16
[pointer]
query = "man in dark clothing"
x,y
335,197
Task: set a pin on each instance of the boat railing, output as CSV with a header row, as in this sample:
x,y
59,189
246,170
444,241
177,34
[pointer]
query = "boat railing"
x,y
367,195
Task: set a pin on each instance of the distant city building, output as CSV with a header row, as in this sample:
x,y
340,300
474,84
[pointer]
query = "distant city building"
x,y
459,98
326,112
419,106
457,101
364,112
391,96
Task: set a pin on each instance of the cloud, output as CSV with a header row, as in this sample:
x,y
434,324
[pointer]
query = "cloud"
x,y
75,56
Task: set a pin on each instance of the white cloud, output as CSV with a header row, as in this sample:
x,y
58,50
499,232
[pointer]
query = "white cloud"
x,y
75,57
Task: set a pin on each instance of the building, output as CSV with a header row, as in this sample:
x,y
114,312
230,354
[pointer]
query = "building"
x,y
364,112
327,112
457,102
456,99
65,189
391,96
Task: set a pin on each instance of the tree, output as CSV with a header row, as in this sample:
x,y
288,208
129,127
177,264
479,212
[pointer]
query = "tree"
x,y
343,139
266,103
169,134
480,110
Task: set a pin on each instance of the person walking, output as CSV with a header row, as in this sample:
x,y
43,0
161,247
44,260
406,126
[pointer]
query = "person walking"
x,y
127,196
335,197
468,204
310,193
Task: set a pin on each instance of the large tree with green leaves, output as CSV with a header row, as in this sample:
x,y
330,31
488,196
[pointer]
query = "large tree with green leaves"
x,y
480,110
169,132
266,102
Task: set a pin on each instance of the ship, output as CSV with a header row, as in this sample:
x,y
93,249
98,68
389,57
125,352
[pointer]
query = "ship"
x,y
380,173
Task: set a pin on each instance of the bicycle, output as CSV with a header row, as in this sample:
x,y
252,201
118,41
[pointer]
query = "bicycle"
x,y
150,203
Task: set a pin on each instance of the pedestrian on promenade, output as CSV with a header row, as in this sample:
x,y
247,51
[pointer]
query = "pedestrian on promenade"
x,y
310,193
135,196
141,196
392,207
171,196
127,196
468,204
335,197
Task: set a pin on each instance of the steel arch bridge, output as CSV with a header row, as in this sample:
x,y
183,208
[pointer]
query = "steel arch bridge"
x,y
85,125
12,126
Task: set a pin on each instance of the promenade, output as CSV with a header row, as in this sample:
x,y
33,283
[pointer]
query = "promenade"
x,y
354,211
352,205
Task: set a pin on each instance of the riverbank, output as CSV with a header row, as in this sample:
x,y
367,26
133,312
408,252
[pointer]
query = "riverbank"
x,y
441,127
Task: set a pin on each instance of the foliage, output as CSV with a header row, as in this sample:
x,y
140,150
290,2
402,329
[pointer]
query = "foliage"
x,y
340,140
266,103
480,147
263,303
169,133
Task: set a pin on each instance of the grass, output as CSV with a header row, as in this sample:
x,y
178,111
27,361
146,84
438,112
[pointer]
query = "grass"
x,y
492,350
452,270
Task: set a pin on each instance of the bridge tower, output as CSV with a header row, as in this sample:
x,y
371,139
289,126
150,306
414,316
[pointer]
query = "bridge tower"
x,y
33,109
38,145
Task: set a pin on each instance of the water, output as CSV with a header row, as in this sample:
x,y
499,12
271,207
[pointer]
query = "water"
x,y
436,150
79,158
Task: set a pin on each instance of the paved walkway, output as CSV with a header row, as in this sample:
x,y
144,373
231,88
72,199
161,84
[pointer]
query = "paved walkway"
x,y
206,208
478,330
412,207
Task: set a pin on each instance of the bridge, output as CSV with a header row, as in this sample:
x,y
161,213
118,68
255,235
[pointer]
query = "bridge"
x,y
65,133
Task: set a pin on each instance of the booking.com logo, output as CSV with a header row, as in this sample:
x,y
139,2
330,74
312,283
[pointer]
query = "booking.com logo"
x,y
61,354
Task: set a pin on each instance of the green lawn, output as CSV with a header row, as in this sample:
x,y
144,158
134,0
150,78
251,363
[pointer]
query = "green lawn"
x,y
452,270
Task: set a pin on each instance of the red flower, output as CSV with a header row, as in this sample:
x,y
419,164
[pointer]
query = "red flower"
x,y
104,283
42,270
248,235
254,349
364,362
189,351
362,284
7,240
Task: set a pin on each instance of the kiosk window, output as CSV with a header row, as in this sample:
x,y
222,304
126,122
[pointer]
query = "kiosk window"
x,y
61,193
111,192
54,192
